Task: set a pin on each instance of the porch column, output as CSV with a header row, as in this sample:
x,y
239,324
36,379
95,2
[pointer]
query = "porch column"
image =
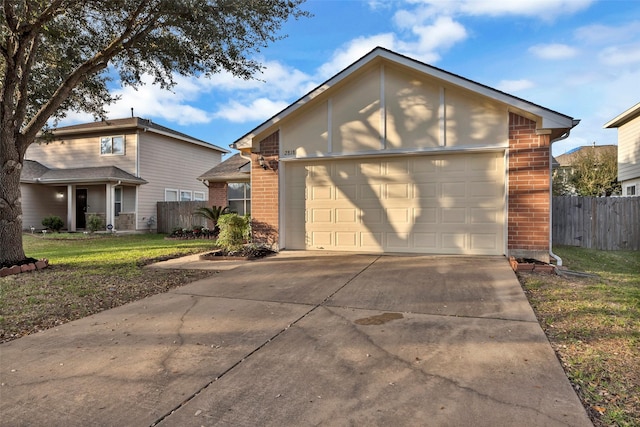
x,y
108,214
71,208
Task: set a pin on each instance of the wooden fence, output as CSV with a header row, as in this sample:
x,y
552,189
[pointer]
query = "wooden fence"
x,y
606,223
178,214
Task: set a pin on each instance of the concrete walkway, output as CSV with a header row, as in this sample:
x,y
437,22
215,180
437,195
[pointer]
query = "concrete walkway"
x,y
301,339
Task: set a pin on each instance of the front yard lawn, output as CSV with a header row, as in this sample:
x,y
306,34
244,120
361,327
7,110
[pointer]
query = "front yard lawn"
x,y
88,274
593,323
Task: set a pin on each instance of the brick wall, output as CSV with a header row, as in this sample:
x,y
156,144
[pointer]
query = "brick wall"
x,y
264,191
529,199
218,194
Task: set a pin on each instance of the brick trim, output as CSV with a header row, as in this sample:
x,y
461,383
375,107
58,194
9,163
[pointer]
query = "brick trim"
x,y
528,193
265,192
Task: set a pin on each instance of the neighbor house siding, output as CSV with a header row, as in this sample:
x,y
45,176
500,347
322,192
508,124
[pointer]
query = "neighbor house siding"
x,y
169,163
40,201
128,199
629,151
529,198
84,152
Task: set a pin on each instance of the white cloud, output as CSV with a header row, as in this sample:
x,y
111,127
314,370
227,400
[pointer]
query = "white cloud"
x,y
553,51
275,78
511,86
259,109
352,51
602,34
150,100
544,9
620,55
441,35
379,4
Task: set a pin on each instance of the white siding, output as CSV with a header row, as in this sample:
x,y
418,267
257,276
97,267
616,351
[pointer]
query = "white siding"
x,y
629,150
167,163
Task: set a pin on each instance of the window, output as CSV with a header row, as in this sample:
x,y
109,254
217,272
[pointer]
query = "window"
x,y
185,196
631,190
170,195
112,145
117,201
239,197
198,195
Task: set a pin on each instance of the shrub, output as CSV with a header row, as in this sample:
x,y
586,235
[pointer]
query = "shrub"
x,y
234,230
53,223
212,214
176,232
94,223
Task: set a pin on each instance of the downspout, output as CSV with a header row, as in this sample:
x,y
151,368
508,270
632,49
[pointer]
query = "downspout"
x,y
243,156
556,257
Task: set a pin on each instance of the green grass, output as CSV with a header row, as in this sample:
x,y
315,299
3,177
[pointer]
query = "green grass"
x,y
88,274
594,326
108,250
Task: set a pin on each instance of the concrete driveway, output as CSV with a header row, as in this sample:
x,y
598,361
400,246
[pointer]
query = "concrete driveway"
x,y
301,339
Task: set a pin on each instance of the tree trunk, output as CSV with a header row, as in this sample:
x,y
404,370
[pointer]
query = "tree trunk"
x,y
11,249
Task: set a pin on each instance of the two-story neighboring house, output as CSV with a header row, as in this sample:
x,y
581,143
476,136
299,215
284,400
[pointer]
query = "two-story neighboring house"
x,y
116,169
628,124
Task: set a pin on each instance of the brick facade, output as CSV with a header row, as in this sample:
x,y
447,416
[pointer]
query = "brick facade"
x,y
218,194
528,193
264,191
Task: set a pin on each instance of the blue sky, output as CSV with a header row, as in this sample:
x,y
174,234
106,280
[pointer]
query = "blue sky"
x,y
578,57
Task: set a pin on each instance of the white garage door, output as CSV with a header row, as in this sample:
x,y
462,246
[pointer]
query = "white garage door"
x,y
448,204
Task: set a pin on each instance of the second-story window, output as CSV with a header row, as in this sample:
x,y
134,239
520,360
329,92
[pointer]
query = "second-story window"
x,y
112,145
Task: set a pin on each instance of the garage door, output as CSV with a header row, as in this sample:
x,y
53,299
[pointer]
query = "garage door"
x,y
449,204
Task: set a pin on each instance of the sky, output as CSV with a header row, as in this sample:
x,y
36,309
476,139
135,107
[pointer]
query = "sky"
x,y
577,57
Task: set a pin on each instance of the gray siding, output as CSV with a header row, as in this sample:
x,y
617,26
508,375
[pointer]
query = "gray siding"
x,y
167,163
40,201
83,152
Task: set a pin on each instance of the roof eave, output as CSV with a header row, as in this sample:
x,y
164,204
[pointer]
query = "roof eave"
x,y
623,118
86,180
138,126
226,178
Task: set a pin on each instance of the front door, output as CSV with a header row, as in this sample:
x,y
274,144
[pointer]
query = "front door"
x,y
81,207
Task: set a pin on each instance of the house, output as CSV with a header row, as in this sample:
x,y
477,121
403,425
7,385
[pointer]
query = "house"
x,y
564,167
394,155
230,184
628,124
116,169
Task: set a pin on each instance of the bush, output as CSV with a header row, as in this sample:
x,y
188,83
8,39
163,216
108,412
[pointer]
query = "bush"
x,y
234,231
212,214
94,223
53,223
195,232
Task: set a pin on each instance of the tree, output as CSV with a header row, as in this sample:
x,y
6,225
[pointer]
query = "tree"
x,y
595,172
59,55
